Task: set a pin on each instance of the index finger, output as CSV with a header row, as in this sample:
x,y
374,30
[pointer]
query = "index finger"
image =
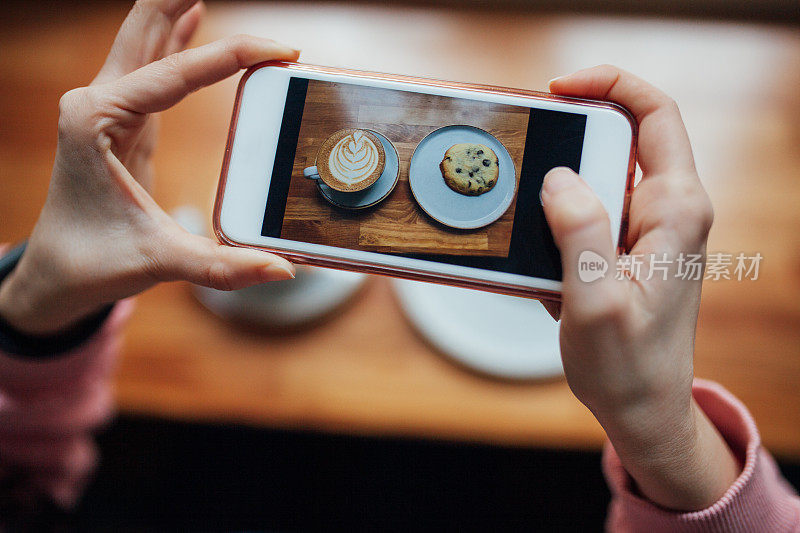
x,y
162,84
143,35
663,141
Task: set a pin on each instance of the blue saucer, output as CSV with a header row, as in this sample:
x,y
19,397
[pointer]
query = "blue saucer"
x,y
375,193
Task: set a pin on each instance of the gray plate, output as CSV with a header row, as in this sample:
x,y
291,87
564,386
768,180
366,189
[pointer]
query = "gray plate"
x,y
375,193
444,204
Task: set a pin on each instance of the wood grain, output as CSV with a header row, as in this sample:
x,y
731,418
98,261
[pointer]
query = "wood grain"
x,y
366,370
397,224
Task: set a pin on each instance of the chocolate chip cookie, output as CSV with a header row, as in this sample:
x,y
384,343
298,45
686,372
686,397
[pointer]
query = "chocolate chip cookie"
x,y
470,169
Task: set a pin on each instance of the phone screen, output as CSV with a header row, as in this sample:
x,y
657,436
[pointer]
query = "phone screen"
x,y
438,178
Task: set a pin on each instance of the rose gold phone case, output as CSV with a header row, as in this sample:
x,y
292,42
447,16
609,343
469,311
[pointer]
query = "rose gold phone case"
x,y
409,273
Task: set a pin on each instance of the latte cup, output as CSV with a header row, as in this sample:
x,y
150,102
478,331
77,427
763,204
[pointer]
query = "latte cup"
x,y
349,160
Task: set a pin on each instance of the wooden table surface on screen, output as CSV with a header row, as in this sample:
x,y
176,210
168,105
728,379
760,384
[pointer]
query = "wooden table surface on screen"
x,y
397,224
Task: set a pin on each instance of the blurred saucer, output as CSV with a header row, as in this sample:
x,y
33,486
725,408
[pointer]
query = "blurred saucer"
x,y
312,294
503,336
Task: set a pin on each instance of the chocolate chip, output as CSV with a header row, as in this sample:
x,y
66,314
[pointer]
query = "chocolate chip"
x,y
470,175
458,171
486,162
448,158
479,152
475,169
469,185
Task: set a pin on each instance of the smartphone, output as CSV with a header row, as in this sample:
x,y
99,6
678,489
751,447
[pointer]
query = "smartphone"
x,y
410,177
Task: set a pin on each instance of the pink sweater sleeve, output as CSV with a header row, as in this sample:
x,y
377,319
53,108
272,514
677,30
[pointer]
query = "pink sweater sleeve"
x,y
48,409
759,500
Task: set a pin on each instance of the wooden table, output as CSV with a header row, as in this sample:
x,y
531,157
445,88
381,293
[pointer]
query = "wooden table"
x,y
397,224
737,88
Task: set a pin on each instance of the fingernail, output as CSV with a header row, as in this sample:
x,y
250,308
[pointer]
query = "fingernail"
x,y
557,179
279,271
549,83
290,47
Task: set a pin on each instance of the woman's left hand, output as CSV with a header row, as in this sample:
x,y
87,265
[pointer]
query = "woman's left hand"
x,y
100,236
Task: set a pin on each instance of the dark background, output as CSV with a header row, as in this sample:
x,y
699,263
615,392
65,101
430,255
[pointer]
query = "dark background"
x,y
168,476
780,11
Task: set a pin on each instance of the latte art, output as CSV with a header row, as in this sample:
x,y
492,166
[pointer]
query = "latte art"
x,y
354,158
351,160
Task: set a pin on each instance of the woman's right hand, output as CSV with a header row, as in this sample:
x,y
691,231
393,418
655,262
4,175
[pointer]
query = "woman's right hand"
x,y
628,344
100,236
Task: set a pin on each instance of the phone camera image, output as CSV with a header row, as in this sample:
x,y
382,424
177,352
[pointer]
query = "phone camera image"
x,y
446,179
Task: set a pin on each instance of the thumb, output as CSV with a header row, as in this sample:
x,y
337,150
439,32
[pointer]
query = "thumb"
x,y
553,308
582,231
206,262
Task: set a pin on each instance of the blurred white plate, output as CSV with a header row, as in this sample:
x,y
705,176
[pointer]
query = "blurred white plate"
x,y
503,336
444,204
